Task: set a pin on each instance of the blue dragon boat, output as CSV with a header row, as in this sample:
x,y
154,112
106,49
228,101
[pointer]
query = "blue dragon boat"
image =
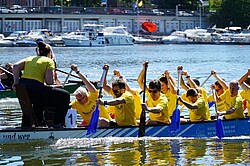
x,y
206,129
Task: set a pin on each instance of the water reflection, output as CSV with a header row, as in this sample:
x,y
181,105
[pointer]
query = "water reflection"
x,y
128,151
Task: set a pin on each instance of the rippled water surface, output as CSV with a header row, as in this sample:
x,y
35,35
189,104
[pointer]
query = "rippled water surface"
x,y
230,62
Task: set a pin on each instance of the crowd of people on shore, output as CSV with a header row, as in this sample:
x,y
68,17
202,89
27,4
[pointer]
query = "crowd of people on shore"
x,y
40,77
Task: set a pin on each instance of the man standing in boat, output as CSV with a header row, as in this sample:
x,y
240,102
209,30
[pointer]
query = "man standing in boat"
x,y
85,102
123,102
38,77
157,103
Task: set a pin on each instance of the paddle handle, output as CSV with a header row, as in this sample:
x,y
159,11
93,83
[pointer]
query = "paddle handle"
x,y
6,70
143,113
215,105
65,81
178,81
206,80
102,82
64,72
144,82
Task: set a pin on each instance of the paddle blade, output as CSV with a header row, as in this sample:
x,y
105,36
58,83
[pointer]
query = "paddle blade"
x,y
219,129
141,132
210,104
1,86
175,124
93,121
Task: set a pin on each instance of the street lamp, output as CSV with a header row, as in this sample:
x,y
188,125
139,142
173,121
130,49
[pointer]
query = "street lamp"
x,y
200,5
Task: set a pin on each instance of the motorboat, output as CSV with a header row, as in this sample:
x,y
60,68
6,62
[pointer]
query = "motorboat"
x,y
177,37
17,35
30,39
5,42
117,36
89,36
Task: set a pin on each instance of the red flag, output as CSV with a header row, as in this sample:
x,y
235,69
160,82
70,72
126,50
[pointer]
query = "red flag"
x,y
149,27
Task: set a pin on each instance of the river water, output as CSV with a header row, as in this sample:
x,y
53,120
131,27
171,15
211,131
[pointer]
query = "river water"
x,y
230,62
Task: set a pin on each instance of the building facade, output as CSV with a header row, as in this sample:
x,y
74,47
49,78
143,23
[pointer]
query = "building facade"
x,y
27,3
71,22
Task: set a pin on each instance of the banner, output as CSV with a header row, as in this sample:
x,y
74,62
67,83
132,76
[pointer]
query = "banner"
x,y
104,2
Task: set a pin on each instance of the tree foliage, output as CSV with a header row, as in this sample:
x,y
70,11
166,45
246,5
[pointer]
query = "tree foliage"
x,y
232,13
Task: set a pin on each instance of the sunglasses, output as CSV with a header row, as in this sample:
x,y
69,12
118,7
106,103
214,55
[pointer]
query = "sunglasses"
x,y
116,91
217,90
153,91
79,100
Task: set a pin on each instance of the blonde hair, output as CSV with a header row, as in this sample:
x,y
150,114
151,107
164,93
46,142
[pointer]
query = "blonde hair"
x,y
80,90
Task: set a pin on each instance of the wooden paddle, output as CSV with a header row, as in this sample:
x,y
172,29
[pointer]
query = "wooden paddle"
x,y
95,115
64,72
6,70
143,113
219,125
66,79
206,80
175,121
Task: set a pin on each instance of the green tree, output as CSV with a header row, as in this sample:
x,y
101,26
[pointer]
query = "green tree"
x,y
232,13
215,4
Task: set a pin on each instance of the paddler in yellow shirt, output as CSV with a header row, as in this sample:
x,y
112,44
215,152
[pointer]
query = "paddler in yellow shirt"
x,y
85,102
168,88
194,83
123,102
156,104
135,92
244,82
196,105
233,102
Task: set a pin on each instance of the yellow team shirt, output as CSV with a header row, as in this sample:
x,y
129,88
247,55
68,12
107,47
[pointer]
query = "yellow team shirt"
x,y
235,102
220,105
125,113
36,66
200,113
203,94
162,101
172,98
138,102
86,109
246,95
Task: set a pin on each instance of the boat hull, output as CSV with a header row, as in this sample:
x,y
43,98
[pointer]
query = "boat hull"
x,y
83,43
237,127
71,87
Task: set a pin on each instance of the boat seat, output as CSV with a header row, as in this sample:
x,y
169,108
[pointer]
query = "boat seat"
x,y
29,117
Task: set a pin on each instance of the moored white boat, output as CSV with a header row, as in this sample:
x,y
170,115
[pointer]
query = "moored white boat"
x,y
118,36
90,36
177,37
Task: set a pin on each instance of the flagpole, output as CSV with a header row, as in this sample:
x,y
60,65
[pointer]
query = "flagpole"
x,y
137,12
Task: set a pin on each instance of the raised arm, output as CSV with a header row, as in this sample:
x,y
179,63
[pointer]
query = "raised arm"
x,y
17,67
243,78
220,80
140,78
118,74
190,81
88,84
106,86
171,82
188,105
